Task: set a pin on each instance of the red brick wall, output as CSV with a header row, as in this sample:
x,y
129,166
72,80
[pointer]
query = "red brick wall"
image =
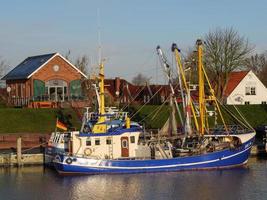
x,y
24,88
65,72
18,88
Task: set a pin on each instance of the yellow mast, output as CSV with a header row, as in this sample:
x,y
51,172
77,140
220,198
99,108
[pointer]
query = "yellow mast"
x,y
100,126
180,68
201,98
101,91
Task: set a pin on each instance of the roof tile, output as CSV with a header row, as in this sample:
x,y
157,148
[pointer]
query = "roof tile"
x,y
234,79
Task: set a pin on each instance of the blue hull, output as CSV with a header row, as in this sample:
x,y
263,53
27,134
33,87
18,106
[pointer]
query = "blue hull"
x,y
222,159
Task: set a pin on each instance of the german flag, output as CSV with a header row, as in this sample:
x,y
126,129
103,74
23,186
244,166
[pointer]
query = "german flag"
x,y
60,125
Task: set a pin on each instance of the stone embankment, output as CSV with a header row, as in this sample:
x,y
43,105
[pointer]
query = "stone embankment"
x,y
22,149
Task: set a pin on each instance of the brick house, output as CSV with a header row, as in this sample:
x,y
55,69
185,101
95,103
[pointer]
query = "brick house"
x,y
49,77
121,91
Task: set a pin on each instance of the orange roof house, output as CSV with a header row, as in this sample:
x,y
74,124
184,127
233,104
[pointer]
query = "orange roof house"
x,y
244,87
234,79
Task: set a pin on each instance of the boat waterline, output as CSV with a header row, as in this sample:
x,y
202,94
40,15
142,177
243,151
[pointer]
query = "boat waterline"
x,y
224,159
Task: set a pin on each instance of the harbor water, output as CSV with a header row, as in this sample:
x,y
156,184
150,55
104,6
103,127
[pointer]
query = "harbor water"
x,y
38,183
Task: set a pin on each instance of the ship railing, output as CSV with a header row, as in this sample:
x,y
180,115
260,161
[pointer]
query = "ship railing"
x,y
232,129
113,115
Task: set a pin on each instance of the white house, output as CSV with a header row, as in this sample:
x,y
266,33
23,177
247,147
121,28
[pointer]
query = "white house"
x,y
244,87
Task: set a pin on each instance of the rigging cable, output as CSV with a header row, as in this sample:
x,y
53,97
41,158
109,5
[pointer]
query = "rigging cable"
x,y
156,110
146,103
133,98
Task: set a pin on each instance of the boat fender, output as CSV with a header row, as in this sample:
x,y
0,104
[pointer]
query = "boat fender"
x,y
69,161
87,151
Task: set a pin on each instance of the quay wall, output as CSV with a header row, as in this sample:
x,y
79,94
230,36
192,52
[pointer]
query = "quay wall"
x,y
28,140
26,159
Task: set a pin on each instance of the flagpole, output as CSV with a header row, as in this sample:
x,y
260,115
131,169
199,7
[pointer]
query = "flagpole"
x,y
56,125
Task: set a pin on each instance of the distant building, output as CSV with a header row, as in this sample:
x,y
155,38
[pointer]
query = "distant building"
x,y
122,91
244,87
49,77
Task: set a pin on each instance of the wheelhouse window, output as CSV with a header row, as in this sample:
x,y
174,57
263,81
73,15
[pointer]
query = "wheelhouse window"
x,y
108,141
97,141
88,142
132,139
247,103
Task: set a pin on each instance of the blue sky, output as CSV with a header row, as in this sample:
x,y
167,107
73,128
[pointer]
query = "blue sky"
x,y
130,30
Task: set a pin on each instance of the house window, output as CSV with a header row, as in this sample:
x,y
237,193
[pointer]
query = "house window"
x,y
263,102
108,141
253,90
250,90
247,103
162,99
88,142
97,141
132,139
247,90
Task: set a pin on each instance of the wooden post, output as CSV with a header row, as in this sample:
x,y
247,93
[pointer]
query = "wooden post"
x,y
19,163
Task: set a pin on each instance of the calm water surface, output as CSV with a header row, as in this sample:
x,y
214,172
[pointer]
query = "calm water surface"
x,y
37,183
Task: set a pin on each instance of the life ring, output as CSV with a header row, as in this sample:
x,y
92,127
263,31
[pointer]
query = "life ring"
x,y
68,161
87,151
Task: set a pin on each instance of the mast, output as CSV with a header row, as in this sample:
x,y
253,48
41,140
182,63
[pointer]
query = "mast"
x,y
166,66
100,127
101,90
179,67
201,93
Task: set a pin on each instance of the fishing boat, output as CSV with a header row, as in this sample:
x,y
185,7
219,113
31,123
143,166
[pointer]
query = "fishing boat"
x,y
110,142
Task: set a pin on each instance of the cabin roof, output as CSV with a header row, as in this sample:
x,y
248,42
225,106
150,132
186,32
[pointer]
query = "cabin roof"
x,y
118,131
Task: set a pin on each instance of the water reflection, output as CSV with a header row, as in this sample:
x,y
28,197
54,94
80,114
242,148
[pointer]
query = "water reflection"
x,y
36,183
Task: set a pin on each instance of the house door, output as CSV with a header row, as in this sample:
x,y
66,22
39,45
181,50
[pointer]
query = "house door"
x,y
124,147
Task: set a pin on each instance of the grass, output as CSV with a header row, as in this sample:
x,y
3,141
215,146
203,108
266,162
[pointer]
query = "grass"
x,y
149,116
24,120
256,115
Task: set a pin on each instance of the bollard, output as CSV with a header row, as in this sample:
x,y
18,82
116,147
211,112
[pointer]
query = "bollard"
x,y
19,163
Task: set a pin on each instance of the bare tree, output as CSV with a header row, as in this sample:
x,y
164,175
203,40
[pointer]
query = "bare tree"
x,y
67,55
258,63
225,51
140,79
3,67
82,63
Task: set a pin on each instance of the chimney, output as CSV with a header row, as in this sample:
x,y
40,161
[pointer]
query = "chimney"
x,y
117,86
